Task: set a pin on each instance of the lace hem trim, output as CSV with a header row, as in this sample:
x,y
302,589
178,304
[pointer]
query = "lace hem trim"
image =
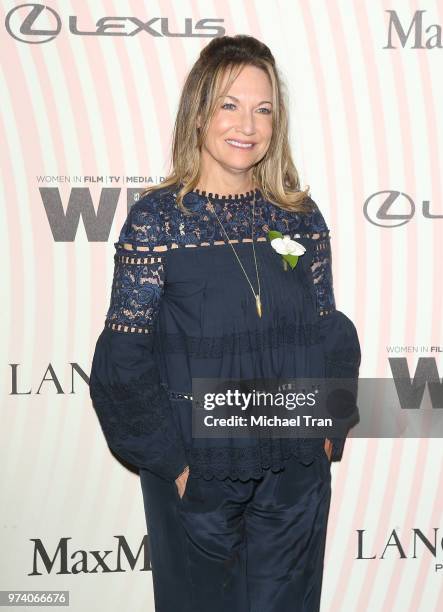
x,y
120,327
131,259
249,462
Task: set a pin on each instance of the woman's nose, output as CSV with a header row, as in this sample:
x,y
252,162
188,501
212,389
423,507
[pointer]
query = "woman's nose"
x,y
246,123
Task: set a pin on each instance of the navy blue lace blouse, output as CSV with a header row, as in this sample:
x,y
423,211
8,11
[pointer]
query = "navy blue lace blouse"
x,y
181,308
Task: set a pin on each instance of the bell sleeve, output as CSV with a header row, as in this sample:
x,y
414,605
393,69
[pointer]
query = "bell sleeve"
x,y
130,401
337,331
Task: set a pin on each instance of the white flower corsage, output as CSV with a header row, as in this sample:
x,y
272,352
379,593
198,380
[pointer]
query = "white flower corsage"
x,y
286,247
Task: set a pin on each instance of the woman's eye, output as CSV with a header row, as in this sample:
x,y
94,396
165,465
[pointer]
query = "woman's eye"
x,y
268,111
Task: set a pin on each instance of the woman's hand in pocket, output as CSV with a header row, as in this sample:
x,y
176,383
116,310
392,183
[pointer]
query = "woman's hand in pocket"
x,y
181,482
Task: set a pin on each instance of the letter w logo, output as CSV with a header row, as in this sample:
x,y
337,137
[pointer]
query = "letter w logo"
x,y
64,225
410,392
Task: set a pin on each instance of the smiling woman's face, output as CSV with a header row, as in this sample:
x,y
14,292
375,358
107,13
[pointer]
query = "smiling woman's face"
x,y
243,117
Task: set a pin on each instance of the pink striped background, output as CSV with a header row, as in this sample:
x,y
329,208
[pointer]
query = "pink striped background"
x,y
363,119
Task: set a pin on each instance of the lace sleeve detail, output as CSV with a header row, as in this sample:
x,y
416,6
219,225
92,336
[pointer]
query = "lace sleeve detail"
x,y
131,403
137,288
321,268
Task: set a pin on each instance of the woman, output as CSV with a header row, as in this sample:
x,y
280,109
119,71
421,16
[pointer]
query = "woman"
x,y
234,524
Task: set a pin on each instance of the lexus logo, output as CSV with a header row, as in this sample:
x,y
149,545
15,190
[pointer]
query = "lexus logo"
x,y
40,24
22,29
391,208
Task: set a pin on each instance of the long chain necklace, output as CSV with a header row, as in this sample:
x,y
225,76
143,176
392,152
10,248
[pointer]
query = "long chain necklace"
x,y
256,295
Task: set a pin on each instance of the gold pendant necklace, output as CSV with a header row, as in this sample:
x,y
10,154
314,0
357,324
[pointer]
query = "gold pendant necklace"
x,y
256,295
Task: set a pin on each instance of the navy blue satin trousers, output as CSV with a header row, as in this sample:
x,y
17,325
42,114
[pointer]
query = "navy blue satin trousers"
x,y
233,546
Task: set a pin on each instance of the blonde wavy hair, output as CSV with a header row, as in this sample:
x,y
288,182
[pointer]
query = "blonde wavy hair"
x,y
275,174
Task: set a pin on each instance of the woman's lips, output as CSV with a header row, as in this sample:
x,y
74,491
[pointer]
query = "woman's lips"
x,y
241,145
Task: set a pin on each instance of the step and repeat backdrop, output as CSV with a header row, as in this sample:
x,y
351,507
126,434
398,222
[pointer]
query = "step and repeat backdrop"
x,y
88,93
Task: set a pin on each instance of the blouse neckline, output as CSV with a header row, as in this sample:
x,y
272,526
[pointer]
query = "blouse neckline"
x,y
247,196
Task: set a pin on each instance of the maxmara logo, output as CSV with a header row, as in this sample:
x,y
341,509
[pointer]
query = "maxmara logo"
x,y
390,208
64,559
37,23
416,34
